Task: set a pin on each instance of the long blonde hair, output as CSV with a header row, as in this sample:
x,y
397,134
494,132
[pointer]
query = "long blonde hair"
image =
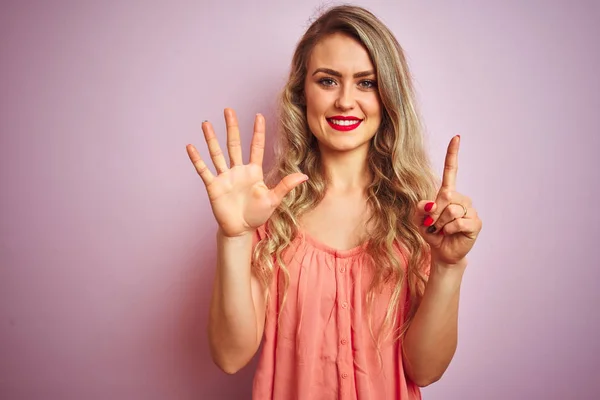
x,y
397,160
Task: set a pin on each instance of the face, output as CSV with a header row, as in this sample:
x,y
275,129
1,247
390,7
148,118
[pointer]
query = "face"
x,y
342,102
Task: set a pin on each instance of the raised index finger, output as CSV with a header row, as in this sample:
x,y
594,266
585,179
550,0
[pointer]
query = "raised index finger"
x,y
451,164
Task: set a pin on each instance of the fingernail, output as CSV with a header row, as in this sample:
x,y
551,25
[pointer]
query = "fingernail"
x,y
428,221
429,206
431,229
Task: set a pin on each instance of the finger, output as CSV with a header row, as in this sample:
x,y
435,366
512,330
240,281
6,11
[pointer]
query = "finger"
x,y
234,145
446,197
451,164
423,209
469,227
285,186
445,200
213,147
201,167
257,148
451,213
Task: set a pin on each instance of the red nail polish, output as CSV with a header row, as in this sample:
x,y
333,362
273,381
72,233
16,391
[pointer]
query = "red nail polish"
x,y
428,221
428,206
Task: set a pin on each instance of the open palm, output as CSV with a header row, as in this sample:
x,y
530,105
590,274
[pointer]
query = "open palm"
x,y
239,197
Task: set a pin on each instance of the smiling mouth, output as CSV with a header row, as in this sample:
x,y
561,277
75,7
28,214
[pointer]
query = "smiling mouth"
x,y
344,124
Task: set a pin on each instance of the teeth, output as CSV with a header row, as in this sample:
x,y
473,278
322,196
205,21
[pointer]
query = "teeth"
x,y
344,123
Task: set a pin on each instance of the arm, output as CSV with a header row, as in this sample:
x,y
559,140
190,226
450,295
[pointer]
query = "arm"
x,y
430,341
241,203
237,309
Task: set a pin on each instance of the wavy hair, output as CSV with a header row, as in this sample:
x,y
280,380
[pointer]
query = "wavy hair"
x,y
397,161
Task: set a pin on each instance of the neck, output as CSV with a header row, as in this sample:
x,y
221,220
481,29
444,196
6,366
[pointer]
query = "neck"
x,y
346,171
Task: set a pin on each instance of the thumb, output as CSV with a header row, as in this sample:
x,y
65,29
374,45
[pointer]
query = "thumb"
x,y
285,186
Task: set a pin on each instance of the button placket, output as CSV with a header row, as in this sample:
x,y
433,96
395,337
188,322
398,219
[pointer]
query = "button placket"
x,y
345,363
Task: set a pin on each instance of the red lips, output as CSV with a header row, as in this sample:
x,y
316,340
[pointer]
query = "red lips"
x,y
354,122
345,118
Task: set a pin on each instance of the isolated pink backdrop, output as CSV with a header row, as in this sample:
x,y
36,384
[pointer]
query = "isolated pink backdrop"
x,y
107,238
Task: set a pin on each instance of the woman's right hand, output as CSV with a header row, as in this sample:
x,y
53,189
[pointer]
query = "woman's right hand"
x,y
239,197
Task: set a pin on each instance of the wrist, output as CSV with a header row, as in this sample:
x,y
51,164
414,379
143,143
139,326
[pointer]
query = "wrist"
x,y
237,240
450,273
222,235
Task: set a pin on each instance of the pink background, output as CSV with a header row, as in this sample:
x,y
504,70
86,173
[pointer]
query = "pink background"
x,y
107,238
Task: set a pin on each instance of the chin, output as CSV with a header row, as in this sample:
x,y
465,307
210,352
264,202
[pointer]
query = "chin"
x,y
345,146
339,141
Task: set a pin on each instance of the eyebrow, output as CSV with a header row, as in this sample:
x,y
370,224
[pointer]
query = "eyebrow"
x,y
339,75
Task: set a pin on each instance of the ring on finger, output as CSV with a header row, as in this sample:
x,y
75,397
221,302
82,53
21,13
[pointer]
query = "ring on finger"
x,y
464,209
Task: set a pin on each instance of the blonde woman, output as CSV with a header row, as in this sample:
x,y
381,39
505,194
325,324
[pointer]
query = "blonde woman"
x,y
346,264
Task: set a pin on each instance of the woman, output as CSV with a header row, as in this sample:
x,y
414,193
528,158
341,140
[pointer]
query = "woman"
x,y
348,269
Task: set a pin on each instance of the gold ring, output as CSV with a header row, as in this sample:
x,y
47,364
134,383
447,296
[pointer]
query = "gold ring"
x,y
464,209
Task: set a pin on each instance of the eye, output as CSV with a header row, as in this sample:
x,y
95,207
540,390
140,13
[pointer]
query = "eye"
x,y
368,84
327,82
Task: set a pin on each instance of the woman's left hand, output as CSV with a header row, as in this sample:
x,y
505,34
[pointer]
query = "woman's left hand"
x,y
449,224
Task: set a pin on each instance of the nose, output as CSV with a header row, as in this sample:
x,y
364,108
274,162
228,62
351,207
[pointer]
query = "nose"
x,y
345,100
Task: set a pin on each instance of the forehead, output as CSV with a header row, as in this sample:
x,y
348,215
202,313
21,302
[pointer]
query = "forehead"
x,y
341,53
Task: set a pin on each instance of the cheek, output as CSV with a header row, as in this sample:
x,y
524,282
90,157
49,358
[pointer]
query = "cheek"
x,y
374,109
375,105
315,101
312,110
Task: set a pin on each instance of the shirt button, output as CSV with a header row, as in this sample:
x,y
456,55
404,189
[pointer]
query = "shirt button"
x,y
344,305
344,341
344,375
343,269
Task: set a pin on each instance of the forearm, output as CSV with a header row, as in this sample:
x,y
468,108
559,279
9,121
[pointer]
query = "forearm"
x,y
431,340
233,320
